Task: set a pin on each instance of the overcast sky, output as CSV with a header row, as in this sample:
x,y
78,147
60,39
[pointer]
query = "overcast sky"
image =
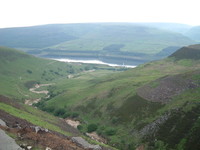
x,y
15,13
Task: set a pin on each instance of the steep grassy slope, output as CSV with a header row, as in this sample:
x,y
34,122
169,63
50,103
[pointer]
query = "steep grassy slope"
x,y
127,117
30,126
191,52
20,71
34,116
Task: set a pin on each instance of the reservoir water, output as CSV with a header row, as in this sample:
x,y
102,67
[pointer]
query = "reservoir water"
x,y
93,62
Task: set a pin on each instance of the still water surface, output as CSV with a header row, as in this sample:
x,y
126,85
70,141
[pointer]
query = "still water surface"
x,y
93,62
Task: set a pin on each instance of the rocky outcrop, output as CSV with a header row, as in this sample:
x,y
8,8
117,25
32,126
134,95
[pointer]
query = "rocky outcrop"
x,y
83,143
39,129
7,143
154,126
164,89
2,123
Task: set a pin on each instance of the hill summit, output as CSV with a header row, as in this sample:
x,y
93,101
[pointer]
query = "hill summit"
x,y
190,52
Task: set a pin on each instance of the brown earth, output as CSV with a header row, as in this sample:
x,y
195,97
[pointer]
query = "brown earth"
x,y
60,122
73,123
25,133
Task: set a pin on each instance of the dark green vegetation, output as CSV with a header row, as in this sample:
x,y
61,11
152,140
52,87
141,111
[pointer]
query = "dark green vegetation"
x,y
91,128
113,105
111,42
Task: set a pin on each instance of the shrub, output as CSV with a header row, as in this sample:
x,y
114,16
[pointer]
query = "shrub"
x,y
160,145
75,115
79,127
40,104
91,128
29,71
66,115
115,120
111,132
50,109
59,112
30,84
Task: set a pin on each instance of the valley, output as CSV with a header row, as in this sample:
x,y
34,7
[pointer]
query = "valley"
x,y
59,105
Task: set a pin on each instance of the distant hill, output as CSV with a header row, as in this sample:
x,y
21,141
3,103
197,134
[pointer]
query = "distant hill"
x,y
190,52
142,38
167,51
129,43
134,38
194,33
33,37
175,27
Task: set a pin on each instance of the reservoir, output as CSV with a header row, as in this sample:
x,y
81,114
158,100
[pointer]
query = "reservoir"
x,y
93,62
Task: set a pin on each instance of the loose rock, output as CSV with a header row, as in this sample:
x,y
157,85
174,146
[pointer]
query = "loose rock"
x,y
83,143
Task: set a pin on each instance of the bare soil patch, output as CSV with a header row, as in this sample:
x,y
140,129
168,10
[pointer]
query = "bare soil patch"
x,y
73,123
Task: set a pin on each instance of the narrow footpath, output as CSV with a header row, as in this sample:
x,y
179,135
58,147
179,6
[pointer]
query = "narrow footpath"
x,y
34,90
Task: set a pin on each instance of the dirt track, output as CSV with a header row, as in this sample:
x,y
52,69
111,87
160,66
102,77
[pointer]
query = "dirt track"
x,y
34,90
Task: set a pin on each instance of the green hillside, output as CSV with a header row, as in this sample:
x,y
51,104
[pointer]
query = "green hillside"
x,y
132,38
190,52
20,71
153,106
33,37
126,114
